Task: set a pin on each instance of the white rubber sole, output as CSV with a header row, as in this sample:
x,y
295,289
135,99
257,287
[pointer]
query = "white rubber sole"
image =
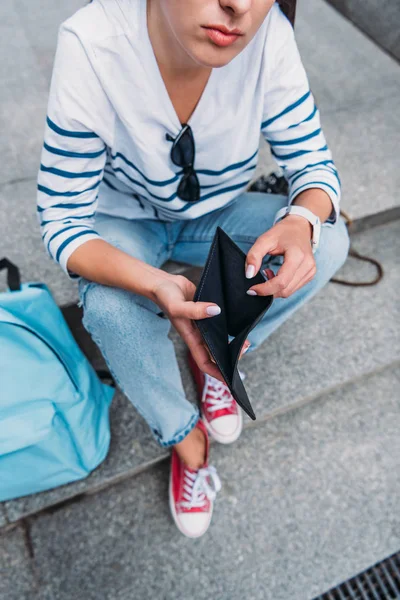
x,y
175,517
225,439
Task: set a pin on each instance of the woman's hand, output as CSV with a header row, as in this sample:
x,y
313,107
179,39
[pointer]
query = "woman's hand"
x,y
175,297
290,237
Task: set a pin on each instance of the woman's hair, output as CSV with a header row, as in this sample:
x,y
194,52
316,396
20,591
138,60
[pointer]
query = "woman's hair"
x,y
289,8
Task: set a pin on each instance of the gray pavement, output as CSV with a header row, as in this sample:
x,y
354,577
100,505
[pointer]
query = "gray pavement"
x,y
3,518
17,572
380,20
295,365
28,36
307,501
356,86
357,89
310,490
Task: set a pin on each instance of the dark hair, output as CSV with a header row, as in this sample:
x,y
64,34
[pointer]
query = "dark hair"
x,y
289,8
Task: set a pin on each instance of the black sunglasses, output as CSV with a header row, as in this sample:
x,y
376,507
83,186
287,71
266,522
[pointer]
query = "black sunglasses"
x,y
182,155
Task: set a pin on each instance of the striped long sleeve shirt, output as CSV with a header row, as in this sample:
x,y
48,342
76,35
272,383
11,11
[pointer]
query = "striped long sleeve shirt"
x,y
109,115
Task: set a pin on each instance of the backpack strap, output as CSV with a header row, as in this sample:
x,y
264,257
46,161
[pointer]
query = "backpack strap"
x,y
105,376
13,276
14,284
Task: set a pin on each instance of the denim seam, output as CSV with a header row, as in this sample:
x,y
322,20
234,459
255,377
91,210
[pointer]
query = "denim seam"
x,y
160,252
121,387
180,436
85,289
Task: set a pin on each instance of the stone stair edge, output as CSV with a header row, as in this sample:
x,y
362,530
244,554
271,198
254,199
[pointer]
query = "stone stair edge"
x,y
361,339
147,465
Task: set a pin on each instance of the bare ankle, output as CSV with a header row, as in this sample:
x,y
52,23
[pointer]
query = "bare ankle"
x,y
192,450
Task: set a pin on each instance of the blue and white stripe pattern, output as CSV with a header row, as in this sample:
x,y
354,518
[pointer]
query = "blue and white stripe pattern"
x,y
291,123
67,194
158,197
88,164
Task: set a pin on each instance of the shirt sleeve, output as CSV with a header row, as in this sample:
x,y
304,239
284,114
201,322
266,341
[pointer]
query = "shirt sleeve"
x,y
291,121
73,154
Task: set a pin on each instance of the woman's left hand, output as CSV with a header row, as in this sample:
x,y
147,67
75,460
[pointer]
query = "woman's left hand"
x,y
290,237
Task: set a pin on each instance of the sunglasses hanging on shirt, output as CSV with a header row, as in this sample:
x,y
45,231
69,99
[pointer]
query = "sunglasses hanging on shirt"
x,y
182,155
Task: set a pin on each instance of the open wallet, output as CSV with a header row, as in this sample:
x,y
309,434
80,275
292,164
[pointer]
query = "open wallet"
x,y
223,281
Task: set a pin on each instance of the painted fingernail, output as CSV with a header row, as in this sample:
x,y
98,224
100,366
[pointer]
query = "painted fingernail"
x,y
251,293
250,271
247,347
213,310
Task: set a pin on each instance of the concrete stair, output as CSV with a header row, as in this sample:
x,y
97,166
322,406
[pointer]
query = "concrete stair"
x,y
295,366
308,500
309,491
379,21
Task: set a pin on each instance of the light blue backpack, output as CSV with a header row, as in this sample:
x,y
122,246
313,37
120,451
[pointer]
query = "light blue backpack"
x,y
54,410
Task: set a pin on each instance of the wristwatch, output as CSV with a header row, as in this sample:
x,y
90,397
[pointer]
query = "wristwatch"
x,y
307,214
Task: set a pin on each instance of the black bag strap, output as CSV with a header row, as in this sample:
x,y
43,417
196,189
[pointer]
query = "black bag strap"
x,y
106,376
358,256
13,276
14,283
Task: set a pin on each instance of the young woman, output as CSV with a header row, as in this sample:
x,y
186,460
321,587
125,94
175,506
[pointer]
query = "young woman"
x,y
152,134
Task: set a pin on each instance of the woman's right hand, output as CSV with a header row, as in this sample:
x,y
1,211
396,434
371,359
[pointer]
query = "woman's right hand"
x,y
175,297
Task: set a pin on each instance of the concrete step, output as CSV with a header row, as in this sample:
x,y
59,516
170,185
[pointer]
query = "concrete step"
x,y
307,501
380,21
356,86
27,45
3,519
341,335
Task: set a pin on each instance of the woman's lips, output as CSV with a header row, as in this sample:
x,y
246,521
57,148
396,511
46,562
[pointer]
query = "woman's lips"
x,y
219,38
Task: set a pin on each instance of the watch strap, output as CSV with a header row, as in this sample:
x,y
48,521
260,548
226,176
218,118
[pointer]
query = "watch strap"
x,y
307,214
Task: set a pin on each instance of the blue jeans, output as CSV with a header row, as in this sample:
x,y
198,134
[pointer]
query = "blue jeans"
x,y
134,339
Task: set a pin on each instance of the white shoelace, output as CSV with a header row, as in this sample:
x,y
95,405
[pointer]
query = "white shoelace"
x,y
219,392
197,488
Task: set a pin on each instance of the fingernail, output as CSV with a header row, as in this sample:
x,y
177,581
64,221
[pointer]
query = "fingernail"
x,y
251,292
213,310
245,350
250,271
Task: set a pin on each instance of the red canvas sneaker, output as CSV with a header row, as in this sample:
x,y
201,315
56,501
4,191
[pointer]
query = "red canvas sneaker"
x,y
192,493
219,410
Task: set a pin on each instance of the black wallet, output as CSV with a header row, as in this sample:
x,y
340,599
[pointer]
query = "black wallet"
x,y
223,281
